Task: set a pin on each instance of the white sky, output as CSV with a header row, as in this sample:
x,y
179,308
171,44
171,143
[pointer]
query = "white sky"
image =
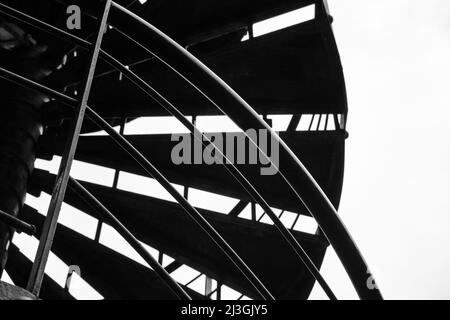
x,y
396,58
396,201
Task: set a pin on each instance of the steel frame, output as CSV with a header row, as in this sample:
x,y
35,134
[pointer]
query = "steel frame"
x,y
214,89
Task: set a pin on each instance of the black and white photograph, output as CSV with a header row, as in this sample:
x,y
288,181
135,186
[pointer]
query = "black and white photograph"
x,y
224,158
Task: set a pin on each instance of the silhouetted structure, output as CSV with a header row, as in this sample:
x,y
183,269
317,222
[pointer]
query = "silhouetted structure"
x,y
47,72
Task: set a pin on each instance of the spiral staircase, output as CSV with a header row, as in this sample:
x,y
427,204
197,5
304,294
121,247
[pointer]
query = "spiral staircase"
x,y
71,94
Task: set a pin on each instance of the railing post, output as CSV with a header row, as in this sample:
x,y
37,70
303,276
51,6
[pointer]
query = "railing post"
x,y
51,221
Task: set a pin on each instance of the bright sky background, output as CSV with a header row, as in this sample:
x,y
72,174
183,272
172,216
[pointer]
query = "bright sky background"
x,y
395,202
396,198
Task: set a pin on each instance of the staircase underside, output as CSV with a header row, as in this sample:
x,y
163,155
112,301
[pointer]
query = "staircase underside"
x,y
294,71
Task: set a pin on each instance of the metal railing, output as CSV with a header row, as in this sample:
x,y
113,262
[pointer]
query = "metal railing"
x,y
215,90
17,224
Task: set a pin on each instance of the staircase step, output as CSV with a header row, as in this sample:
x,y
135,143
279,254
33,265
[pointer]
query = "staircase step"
x,y
166,227
322,152
113,275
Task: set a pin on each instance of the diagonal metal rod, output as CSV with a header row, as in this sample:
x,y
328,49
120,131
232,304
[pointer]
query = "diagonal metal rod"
x,y
87,197
43,26
17,224
293,172
51,221
189,209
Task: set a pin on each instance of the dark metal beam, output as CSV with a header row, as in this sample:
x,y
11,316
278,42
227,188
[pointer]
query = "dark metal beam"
x,y
275,73
17,224
293,124
129,237
293,171
189,209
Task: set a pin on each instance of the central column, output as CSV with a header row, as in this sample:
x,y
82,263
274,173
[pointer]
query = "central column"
x,y
20,122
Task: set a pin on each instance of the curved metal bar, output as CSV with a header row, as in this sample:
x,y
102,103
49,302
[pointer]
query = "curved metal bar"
x,y
87,197
154,172
292,241
300,180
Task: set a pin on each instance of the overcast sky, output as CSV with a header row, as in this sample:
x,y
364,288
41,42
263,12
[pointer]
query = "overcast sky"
x,y
396,197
